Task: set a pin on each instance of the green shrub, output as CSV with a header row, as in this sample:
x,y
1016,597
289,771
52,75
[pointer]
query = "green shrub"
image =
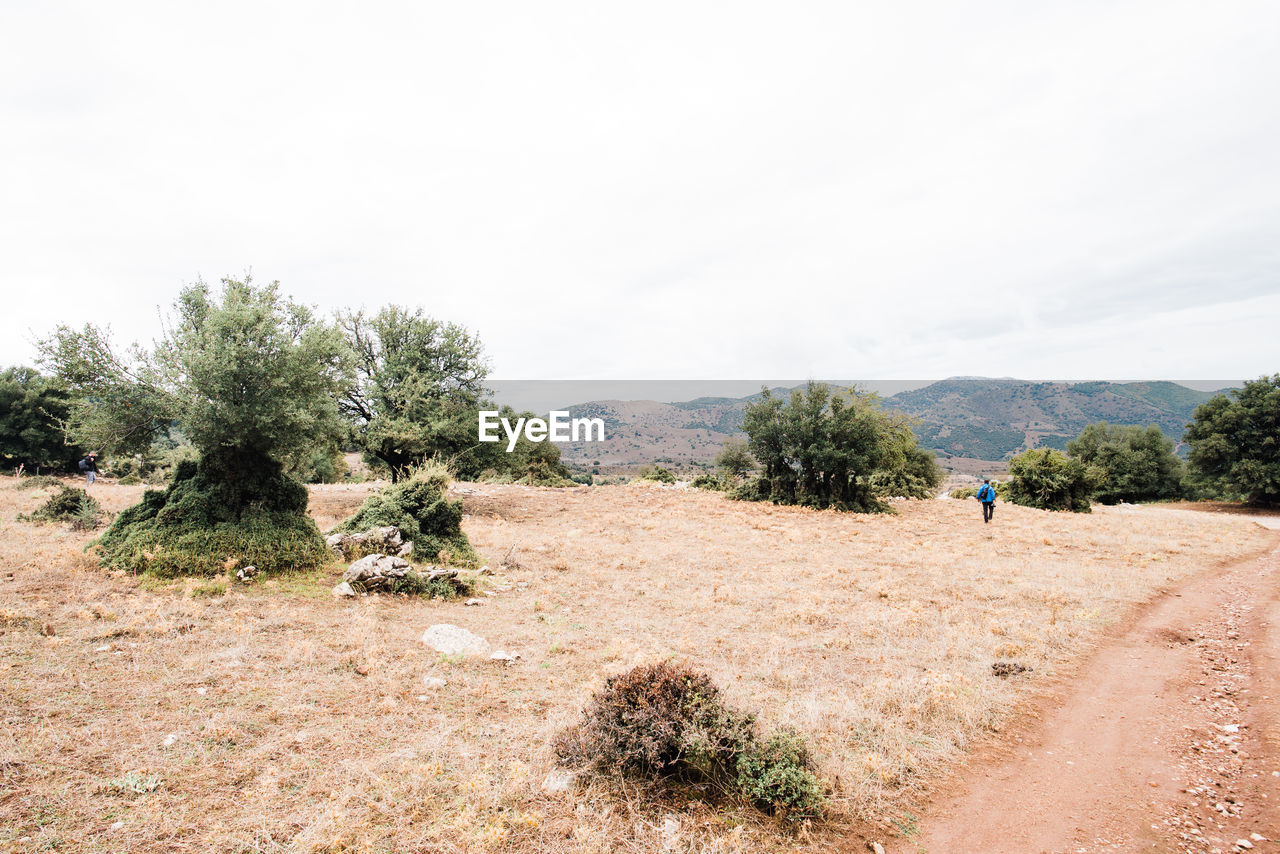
x,y
664,722
415,583
40,481
713,482
420,507
776,775
67,505
208,521
1050,480
657,473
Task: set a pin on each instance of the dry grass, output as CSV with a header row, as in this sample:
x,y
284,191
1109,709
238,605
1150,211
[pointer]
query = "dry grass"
x,y
276,719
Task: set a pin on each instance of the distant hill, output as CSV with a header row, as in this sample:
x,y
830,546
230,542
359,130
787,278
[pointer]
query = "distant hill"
x,y
965,417
991,419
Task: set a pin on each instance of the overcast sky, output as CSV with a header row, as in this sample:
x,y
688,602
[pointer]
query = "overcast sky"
x,y
667,190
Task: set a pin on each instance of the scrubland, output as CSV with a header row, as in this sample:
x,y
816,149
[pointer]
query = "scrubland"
x,y
208,715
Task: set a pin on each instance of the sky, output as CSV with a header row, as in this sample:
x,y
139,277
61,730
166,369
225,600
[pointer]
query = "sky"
x,y
892,190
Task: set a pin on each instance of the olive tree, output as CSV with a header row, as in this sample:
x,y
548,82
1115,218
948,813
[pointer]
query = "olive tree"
x,y
1235,442
251,379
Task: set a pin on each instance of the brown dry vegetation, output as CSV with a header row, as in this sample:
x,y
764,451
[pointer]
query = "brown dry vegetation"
x,y
280,720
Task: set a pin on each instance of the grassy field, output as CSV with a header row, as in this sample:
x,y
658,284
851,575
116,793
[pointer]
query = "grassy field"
x,y
207,715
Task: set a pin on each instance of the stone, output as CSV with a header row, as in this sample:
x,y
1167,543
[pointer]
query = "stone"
x,y
386,540
670,833
502,656
246,572
376,570
344,591
435,683
876,847
559,782
454,640
473,602
1244,843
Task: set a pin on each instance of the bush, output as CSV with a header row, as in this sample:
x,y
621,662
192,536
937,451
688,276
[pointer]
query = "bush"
x,y
1050,480
40,481
1002,491
666,722
421,509
713,482
67,505
208,521
777,776
657,473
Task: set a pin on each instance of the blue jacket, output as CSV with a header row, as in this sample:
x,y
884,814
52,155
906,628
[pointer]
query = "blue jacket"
x,y
987,494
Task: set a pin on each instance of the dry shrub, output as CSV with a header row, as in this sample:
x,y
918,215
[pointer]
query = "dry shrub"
x,y
666,722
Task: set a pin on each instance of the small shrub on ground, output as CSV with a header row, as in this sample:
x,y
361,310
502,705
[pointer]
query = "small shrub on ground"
x,y
420,507
415,583
713,482
68,505
657,473
40,481
1050,480
665,722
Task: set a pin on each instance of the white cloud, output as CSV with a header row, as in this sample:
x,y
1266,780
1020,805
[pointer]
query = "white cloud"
x,y
667,190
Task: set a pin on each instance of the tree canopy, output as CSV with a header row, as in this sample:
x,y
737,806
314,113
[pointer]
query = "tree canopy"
x,y
1235,442
417,388
834,449
1128,463
32,408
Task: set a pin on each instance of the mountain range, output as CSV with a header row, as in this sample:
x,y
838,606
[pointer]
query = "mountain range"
x,y
966,418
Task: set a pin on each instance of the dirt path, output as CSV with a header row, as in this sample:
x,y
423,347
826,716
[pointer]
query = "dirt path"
x,y
1166,739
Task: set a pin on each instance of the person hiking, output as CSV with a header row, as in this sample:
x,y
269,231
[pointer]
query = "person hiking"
x,y
89,465
987,495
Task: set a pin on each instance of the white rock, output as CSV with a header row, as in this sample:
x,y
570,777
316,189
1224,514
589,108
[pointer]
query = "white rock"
x,y
559,782
117,825
452,640
344,591
473,602
670,832
877,848
434,682
106,648
170,739
1244,843
503,656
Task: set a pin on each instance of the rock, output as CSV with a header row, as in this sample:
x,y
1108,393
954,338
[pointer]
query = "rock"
x,y
876,847
502,656
452,640
1004,669
344,591
246,573
171,739
362,669
670,832
48,630
473,602
1244,843
435,683
386,540
375,571
1257,837
559,782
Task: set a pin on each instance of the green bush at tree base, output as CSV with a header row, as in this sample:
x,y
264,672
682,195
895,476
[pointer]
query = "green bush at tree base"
x,y
216,515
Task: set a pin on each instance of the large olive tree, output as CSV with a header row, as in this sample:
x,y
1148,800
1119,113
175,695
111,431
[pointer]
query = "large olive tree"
x,y
251,378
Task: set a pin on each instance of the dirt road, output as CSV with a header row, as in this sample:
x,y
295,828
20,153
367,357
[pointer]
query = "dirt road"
x,y
1166,739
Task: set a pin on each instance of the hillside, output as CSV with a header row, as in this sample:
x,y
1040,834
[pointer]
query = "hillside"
x,y
963,417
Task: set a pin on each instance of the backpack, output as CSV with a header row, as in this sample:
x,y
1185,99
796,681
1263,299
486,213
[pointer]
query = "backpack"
x,y
986,493
84,464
